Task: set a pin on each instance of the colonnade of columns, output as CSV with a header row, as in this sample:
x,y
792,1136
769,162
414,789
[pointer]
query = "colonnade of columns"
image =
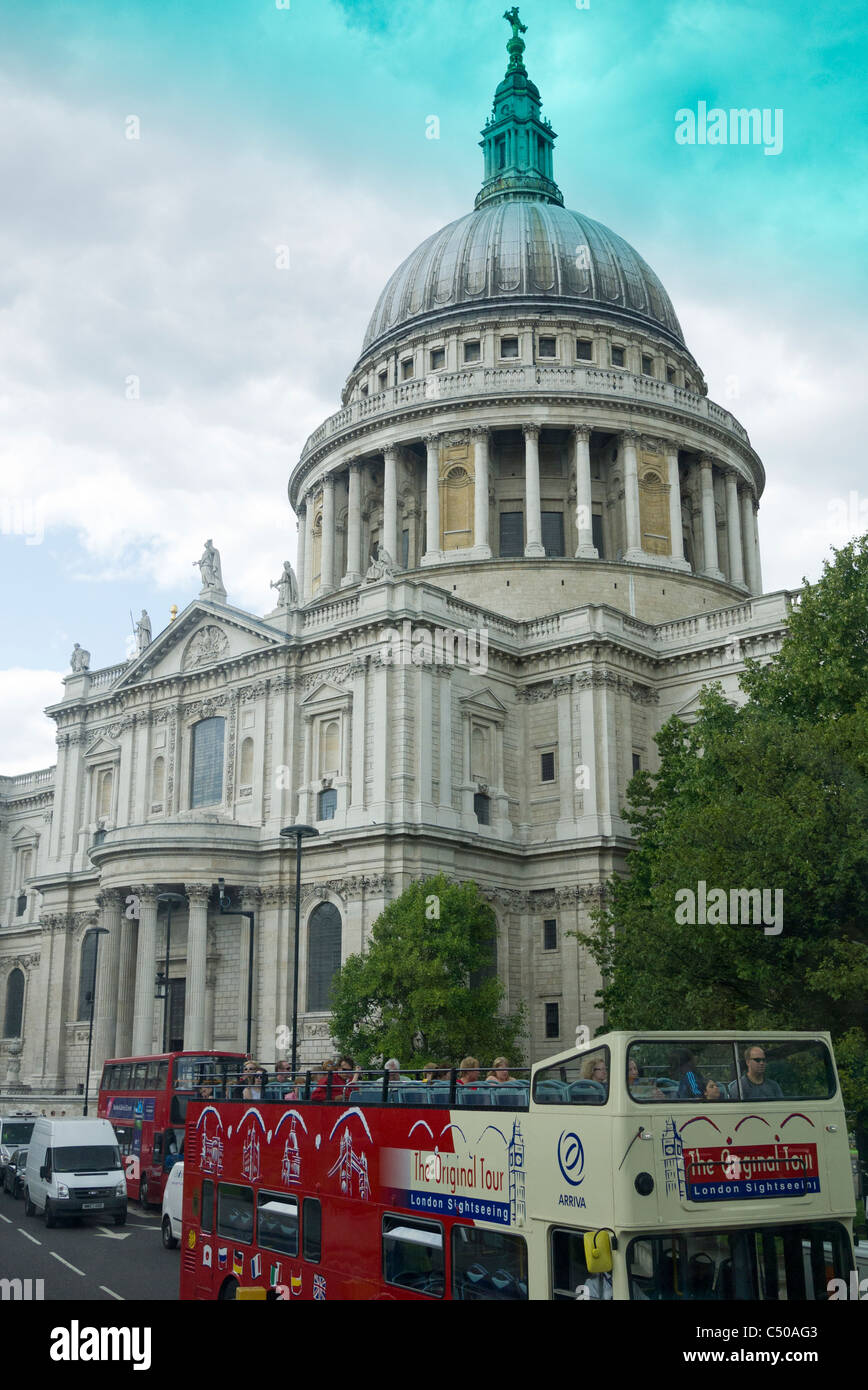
x,y
742,547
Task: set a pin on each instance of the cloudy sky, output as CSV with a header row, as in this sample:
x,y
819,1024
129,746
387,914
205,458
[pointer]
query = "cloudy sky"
x,y
160,370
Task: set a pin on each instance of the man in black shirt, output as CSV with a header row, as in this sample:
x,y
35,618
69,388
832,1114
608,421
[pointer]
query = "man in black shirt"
x,y
753,1086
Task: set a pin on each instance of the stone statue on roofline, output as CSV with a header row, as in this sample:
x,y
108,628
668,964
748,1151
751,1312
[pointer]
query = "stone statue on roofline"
x,y
79,659
209,568
382,566
287,587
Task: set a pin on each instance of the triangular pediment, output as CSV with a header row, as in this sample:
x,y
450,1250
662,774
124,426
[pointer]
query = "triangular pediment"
x,y
483,702
102,748
26,834
203,636
689,711
324,694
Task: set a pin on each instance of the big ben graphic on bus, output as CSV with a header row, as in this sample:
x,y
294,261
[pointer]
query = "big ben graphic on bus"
x,y
517,1199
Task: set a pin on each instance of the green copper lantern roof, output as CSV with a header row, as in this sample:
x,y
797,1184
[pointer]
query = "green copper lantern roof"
x,y
516,143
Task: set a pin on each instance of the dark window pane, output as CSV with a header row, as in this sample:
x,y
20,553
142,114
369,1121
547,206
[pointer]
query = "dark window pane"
x,y
413,1254
550,934
547,767
235,1212
14,1004
553,533
488,1265
548,347
617,357
85,974
206,781
328,804
584,349
637,761
482,807
177,996
472,352
509,347
311,1230
405,550
647,365
207,1206
553,1025
511,533
323,955
597,533
569,1270
438,359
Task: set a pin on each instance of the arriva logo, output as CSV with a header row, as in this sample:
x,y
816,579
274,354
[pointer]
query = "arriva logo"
x,y
571,1157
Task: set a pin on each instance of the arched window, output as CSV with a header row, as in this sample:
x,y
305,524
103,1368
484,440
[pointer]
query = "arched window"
x,y
206,771
14,1015
482,807
323,955
104,793
85,974
158,781
329,747
246,772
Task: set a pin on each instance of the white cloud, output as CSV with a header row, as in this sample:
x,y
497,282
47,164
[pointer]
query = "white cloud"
x,y
23,696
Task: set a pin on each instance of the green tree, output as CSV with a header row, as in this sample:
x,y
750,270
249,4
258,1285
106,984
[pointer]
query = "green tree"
x,y
424,989
771,795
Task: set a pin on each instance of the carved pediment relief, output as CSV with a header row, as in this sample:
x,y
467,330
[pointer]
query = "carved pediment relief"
x,y
209,643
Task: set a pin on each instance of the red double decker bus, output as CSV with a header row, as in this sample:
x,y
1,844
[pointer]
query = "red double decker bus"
x,y
146,1100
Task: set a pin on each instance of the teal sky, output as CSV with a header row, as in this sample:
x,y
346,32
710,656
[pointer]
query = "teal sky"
x,y
305,126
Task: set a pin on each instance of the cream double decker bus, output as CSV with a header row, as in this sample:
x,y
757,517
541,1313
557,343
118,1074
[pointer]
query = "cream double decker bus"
x,y
640,1166
707,1166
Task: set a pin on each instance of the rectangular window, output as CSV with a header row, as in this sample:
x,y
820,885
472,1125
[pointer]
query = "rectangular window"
x,y
553,1020
670,374
550,934
207,1215
472,352
637,762
580,1080
500,152
405,550
438,359
277,1214
509,347
206,773
553,533
548,347
328,804
312,1230
647,364
413,1254
617,357
163,1076
382,380
482,808
584,350
364,391
140,1072
124,1079
569,1270
597,533
235,1212
406,369
488,1266
511,534
547,767
153,1074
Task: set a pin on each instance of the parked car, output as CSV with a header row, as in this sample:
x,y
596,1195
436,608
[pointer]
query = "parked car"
x,y
74,1169
174,1190
13,1173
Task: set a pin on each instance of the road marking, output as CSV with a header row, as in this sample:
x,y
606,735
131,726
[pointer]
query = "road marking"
x,y
106,1234
7,1219
29,1236
66,1262
118,1296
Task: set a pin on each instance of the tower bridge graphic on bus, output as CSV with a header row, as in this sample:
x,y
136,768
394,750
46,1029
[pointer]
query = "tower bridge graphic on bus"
x,y
349,1162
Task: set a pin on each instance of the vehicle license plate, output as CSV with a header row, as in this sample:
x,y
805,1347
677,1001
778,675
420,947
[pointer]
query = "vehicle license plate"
x,y
92,1206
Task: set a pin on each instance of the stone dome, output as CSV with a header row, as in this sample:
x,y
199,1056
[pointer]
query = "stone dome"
x,y
529,253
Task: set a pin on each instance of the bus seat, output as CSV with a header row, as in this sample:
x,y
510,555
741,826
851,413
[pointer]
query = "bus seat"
x,y
413,1095
551,1092
511,1097
440,1092
586,1092
474,1095
368,1095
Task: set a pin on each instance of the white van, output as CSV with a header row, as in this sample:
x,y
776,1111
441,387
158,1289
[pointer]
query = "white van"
x,y
74,1169
173,1198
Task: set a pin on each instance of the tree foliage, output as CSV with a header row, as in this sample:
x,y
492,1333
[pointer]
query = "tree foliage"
x,y
771,795
424,988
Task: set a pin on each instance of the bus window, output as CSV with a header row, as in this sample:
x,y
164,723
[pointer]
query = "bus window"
x,y
124,1135
489,1265
581,1080
140,1072
312,1230
158,1146
235,1212
569,1272
207,1206
413,1254
152,1079
667,1071
772,1264
278,1222
790,1070
163,1076
123,1081
106,1078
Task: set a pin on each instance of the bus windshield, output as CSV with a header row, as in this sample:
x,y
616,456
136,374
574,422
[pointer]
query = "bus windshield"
x,y
741,1070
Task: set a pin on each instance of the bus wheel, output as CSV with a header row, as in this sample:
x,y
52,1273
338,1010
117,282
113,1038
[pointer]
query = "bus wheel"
x,y
143,1194
228,1290
169,1241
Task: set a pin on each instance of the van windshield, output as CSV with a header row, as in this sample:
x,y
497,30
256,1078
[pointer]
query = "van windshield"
x,y
87,1158
15,1132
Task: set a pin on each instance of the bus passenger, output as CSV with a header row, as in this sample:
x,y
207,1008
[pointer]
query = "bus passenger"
x,y
255,1078
639,1089
691,1083
430,1072
468,1071
594,1069
712,1091
499,1070
321,1089
393,1067
348,1074
753,1086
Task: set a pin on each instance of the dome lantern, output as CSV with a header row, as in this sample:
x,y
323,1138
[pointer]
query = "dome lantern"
x,y
517,144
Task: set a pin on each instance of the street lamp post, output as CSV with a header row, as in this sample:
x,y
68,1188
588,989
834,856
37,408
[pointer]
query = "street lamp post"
x,y
227,908
97,932
169,901
299,832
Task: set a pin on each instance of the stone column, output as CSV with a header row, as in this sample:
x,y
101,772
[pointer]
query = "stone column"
x,y
677,538
197,950
756,548
433,553
709,521
566,825
301,552
390,503
327,562
129,930
585,549
307,582
146,956
481,441
733,528
747,537
533,545
354,525
634,549
110,902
